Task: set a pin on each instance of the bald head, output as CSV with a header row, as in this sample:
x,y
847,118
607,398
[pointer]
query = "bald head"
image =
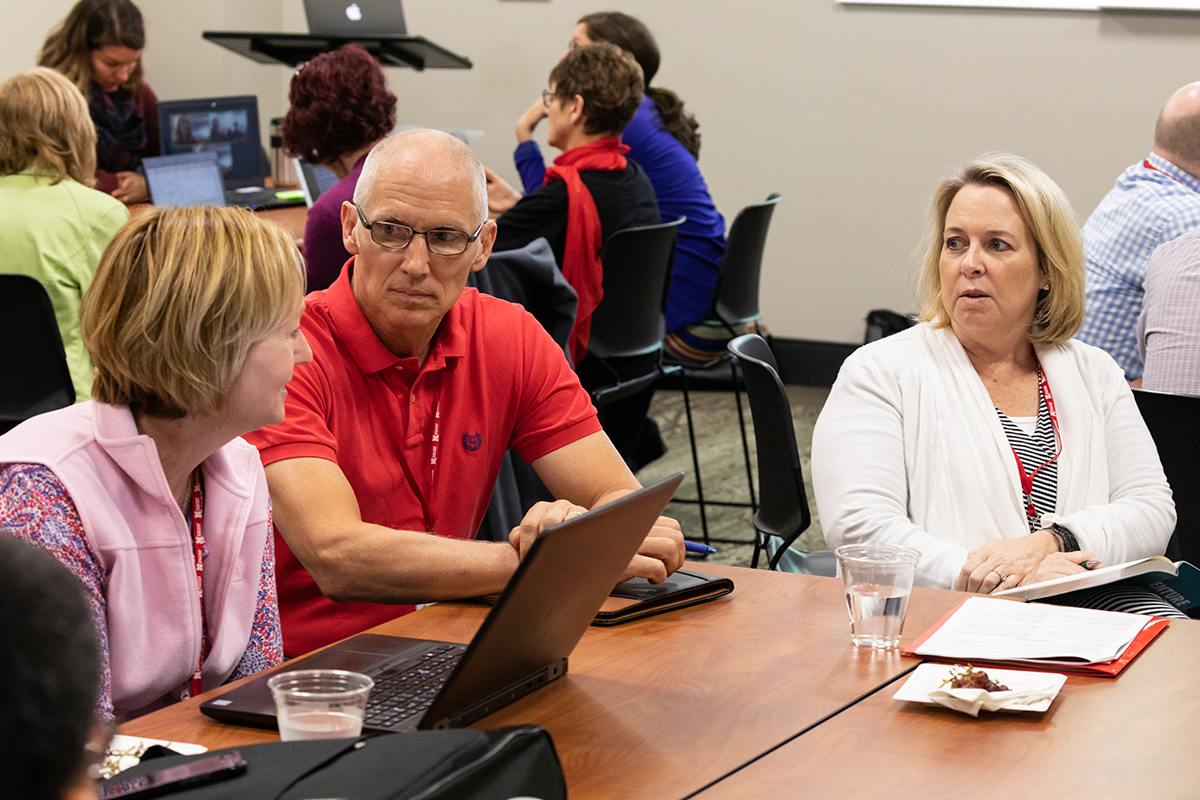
x,y
1177,134
428,157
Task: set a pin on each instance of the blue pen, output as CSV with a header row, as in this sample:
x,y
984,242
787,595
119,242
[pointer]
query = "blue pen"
x,y
696,547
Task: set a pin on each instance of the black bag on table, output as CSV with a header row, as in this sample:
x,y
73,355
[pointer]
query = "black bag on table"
x,y
428,765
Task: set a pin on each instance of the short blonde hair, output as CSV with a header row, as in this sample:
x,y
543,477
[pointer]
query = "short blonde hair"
x,y
179,297
1052,223
44,122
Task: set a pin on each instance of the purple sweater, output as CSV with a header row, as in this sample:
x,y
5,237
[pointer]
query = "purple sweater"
x,y
323,249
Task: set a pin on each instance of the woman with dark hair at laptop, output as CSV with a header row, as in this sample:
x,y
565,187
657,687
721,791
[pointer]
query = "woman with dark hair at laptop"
x,y
53,227
340,108
147,493
99,48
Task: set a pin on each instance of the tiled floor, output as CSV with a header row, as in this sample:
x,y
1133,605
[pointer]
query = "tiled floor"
x,y
723,466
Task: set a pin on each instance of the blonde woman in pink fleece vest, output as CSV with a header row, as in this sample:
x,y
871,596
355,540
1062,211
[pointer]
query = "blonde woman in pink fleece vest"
x,y
146,493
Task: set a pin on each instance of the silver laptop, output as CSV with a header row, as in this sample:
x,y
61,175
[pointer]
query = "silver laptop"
x,y
522,645
355,17
186,179
314,180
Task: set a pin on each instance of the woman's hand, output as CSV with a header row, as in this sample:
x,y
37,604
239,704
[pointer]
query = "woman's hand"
x,y
501,195
1004,563
131,188
530,119
1058,565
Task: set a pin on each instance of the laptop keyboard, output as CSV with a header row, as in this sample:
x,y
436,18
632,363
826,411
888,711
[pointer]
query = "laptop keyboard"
x,y
407,691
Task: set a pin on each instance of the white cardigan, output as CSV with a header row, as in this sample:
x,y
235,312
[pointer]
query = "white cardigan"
x,y
909,450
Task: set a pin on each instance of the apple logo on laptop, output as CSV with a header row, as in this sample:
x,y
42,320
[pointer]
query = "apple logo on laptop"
x,y
353,12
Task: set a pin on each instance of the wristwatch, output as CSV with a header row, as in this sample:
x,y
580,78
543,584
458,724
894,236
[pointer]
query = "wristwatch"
x,y
1069,543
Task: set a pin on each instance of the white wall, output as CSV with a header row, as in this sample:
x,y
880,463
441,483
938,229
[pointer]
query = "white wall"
x,y
851,112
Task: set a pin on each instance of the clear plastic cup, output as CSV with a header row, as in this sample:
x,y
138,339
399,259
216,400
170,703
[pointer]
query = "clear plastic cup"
x,y
879,580
320,703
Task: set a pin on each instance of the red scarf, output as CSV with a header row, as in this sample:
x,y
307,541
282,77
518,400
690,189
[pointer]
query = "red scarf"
x,y
581,255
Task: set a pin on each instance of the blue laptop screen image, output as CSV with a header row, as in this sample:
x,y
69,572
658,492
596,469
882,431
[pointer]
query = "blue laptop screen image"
x,y
187,179
227,126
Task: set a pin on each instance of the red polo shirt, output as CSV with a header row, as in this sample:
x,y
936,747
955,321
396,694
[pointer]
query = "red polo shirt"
x,y
494,380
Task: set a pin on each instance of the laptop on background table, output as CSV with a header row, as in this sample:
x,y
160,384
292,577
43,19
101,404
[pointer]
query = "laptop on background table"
x,y
186,179
522,645
355,17
227,126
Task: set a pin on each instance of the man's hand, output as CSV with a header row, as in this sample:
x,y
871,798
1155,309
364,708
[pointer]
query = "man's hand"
x,y
131,188
1058,565
1004,563
660,554
537,519
528,121
500,193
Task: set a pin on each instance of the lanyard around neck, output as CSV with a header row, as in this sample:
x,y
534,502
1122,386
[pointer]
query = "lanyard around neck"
x,y
426,502
198,550
1027,477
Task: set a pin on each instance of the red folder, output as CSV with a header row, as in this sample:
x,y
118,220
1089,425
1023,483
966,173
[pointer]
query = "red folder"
x,y
1109,669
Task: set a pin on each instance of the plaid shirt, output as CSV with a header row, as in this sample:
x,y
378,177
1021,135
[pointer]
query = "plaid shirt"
x,y
1169,329
1145,208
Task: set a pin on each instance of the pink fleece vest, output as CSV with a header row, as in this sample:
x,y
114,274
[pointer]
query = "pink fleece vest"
x,y
135,528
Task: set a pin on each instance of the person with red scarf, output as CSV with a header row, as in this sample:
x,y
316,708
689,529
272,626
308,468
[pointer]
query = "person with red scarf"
x,y
591,191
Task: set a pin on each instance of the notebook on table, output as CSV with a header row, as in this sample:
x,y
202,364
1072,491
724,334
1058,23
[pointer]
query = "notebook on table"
x,y
228,127
522,645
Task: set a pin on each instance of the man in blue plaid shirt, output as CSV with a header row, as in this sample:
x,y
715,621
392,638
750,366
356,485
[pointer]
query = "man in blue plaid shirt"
x,y
1154,201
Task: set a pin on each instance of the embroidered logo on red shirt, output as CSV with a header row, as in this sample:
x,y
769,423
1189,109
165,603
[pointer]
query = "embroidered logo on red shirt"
x,y
472,441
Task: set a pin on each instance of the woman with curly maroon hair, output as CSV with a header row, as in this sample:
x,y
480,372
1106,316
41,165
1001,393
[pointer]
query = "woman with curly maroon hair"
x,y
340,108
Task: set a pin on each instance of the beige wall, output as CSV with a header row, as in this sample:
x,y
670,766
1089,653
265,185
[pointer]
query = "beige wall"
x,y
851,112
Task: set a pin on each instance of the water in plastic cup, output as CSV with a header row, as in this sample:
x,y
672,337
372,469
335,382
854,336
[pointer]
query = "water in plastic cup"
x,y
878,581
320,703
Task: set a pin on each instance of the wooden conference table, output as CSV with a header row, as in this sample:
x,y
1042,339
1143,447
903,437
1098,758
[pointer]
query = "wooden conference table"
x,y
662,707
761,694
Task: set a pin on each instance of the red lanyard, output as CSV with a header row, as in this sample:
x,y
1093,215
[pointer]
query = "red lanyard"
x,y
1027,477
198,549
1146,163
426,504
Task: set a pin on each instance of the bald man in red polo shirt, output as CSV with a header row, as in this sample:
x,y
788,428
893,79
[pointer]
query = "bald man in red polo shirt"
x,y
383,468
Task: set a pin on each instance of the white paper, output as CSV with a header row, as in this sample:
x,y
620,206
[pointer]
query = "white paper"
x,y
1001,630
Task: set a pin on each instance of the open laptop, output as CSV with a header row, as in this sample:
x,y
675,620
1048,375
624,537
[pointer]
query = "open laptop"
x,y
227,126
355,17
186,179
314,180
522,645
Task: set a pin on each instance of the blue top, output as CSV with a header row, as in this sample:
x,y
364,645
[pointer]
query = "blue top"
x,y
1148,206
681,192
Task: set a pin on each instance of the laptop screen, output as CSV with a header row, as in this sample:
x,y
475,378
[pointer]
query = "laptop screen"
x,y
227,126
186,179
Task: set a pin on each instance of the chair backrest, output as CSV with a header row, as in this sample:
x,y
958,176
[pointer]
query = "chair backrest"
x,y
736,297
1174,422
34,377
782,503
637,269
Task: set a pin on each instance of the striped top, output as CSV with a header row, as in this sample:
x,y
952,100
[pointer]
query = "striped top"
x,y
1035,450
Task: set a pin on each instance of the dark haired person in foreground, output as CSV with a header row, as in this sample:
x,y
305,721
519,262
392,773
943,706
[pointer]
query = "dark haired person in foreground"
x,y
49,673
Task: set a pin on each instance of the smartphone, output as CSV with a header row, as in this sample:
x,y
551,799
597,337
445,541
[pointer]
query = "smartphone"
x,y
172,779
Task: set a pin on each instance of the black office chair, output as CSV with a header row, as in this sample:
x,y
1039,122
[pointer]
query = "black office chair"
x,y
783,506
34,377
1174,422
628,325
735,302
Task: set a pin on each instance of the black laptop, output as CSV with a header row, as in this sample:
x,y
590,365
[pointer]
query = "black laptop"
x,y
227,126
522,645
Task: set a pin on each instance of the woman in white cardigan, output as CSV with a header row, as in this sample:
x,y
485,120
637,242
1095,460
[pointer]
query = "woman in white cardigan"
x,y
985,437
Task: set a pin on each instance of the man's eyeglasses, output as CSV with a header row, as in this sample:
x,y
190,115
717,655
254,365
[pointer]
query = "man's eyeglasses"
x,y
440,241
547,96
